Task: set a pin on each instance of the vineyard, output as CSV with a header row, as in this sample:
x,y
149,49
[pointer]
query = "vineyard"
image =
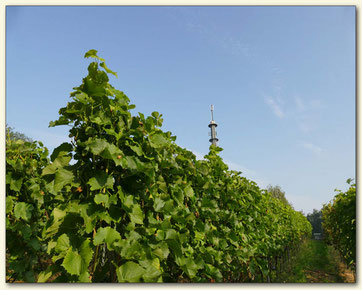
x,y
133,206
339,223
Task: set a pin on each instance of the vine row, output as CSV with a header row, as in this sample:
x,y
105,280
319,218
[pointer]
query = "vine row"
x,y
133,206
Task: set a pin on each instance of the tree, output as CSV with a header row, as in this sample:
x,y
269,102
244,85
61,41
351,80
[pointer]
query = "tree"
x,y
315,219
14,135
277,192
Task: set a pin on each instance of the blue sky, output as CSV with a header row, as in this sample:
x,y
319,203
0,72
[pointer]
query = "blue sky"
x,y
281,79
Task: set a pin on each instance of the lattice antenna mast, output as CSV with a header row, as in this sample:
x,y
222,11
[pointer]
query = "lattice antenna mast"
x,y
212,127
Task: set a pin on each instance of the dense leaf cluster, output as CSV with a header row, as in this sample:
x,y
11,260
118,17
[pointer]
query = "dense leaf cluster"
x,y
135,207
27,208
339,223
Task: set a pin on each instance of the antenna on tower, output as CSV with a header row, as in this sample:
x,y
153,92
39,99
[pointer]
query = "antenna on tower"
x,y
212,127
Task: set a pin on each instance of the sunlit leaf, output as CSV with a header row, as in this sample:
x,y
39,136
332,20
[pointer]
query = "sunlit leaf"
x,y
23,210
130,272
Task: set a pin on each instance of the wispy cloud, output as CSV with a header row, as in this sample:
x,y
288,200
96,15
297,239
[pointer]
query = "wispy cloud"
x,y
276,105
197,22
236,47
306,114
314,148
299,103
316,104
304,122
275,98
304,111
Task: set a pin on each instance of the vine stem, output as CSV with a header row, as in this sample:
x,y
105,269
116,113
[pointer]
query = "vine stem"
x,y
96,255
95,260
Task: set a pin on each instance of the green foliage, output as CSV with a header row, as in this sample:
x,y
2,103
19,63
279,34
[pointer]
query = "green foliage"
x,y
339,223
27,208
135,207
315,262
315,218
130,272
14,135
277,192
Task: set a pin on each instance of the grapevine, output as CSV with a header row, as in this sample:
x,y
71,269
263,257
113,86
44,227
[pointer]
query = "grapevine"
x,y
339,224
136,207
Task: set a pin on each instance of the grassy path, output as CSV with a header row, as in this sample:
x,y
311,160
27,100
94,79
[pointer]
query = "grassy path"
x,y
316,262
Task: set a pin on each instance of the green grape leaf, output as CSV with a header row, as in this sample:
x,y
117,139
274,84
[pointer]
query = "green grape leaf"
x,y
131,249
59,162
179,196
213,272
84,277
171,234
151,274
9,203
189,192
101,198
106,235
90,53
157,140
175,247
96,146
58,214
131,162
63,244
112,152
100,180
50,169
155,114
61,121
130,272
93,53
136,215
61,150
62,177
137,149
158,204
72,262
94,89
190,268
128,201
162,250
45,275
107,69
86,253
15,184
23,211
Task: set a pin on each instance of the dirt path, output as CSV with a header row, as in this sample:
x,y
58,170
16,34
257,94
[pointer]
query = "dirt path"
x,y
343,275
316,262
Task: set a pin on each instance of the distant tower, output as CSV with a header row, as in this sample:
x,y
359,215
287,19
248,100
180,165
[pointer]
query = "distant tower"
x,y
213,126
